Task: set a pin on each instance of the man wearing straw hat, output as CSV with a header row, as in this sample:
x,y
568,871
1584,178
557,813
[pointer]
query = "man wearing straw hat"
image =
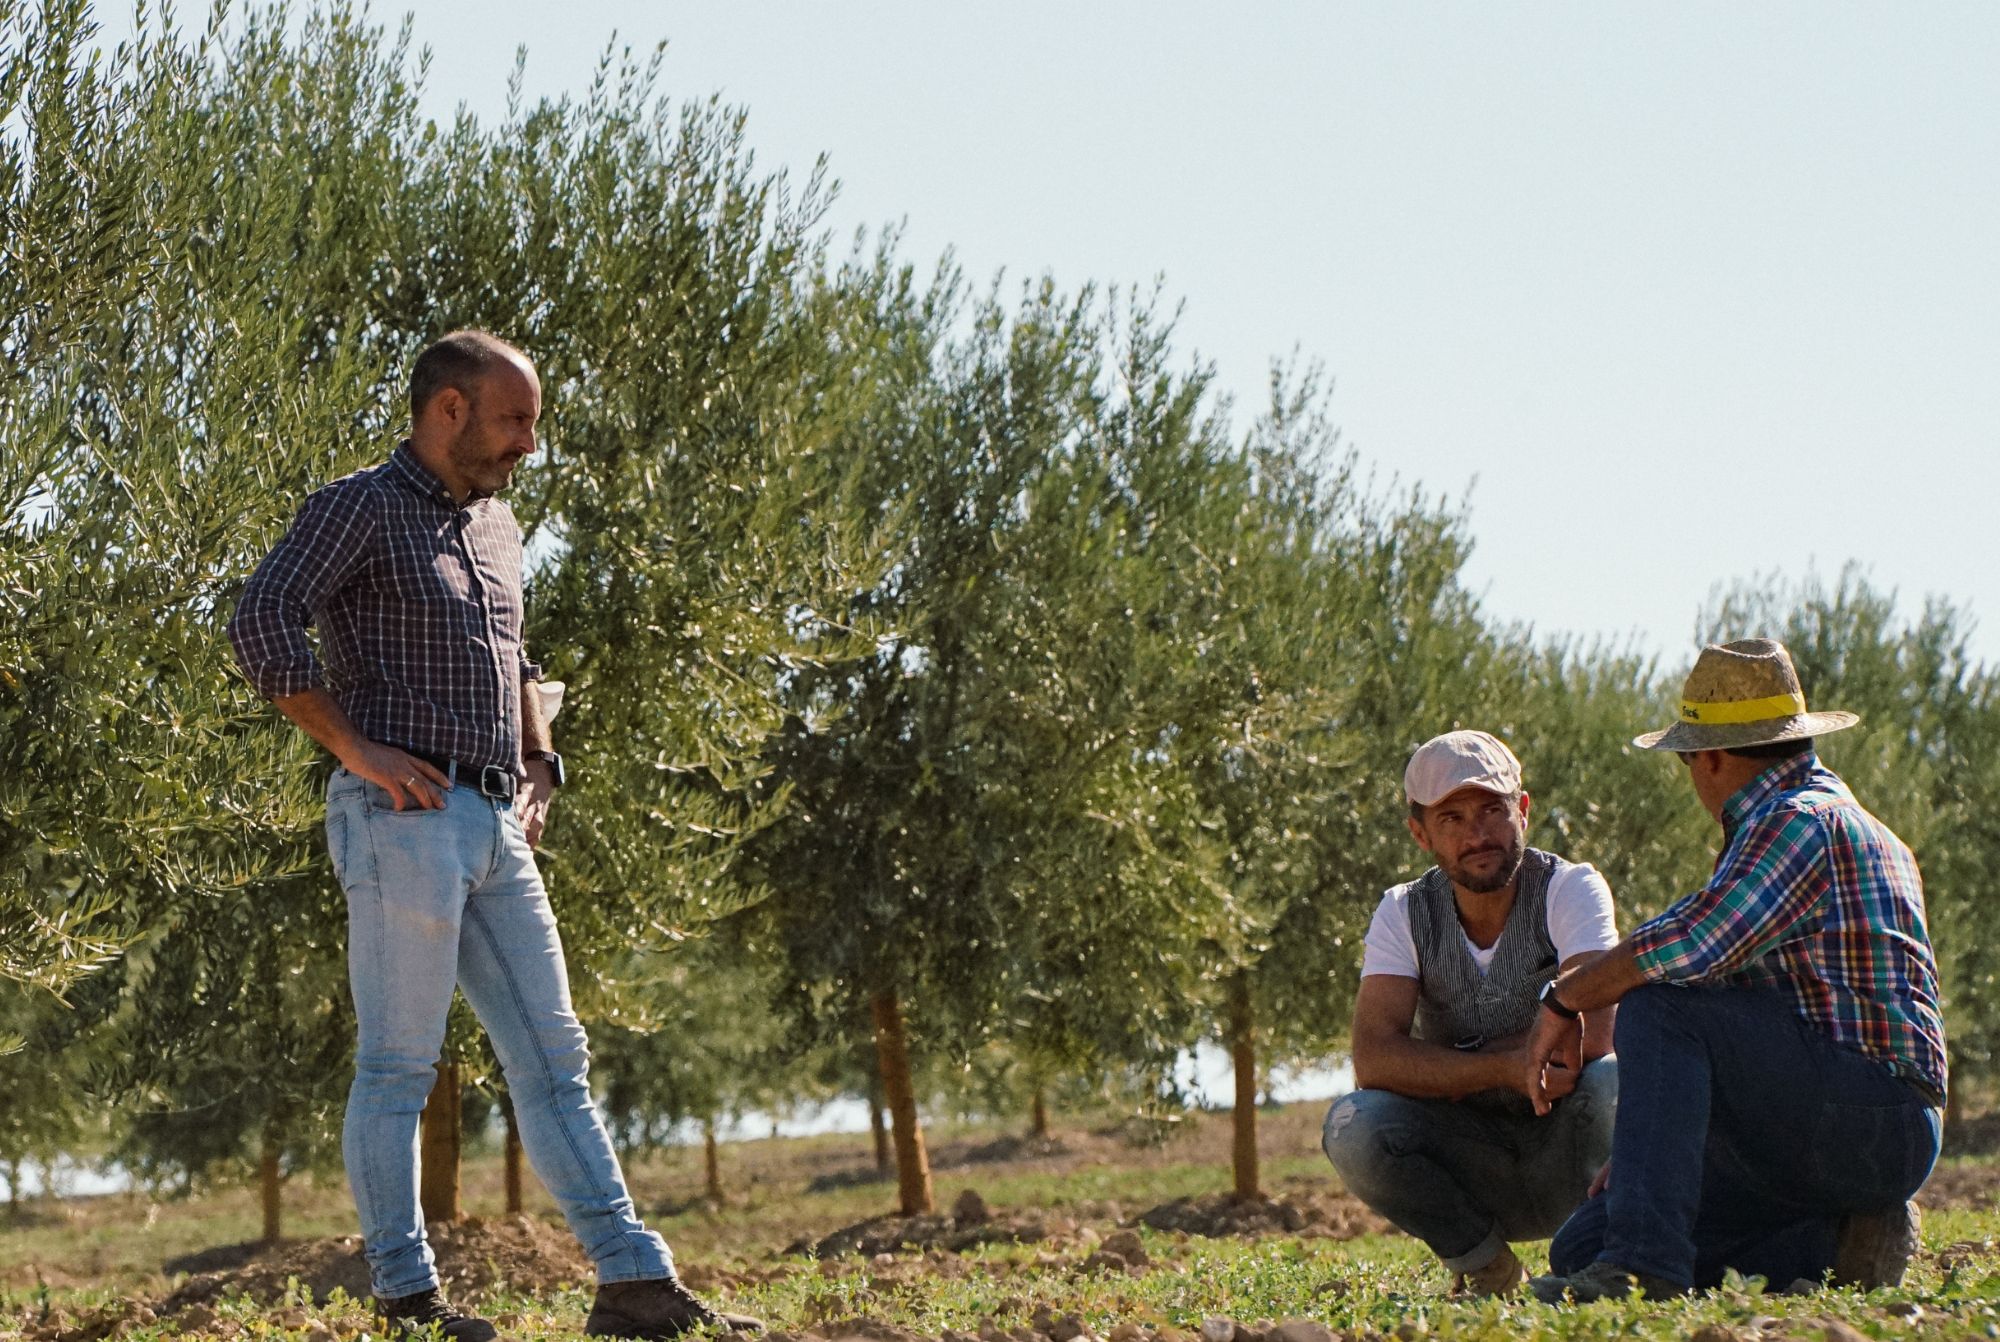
x,y
1781,1055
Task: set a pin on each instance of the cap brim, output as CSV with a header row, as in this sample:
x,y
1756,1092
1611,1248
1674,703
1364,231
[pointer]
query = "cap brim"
x,y
1497,786
1737,735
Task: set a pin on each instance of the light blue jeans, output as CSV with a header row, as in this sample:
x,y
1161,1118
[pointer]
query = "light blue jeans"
x,y
446,899
1468,1176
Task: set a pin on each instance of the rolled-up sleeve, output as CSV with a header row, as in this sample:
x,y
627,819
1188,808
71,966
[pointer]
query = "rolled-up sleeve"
x,y
1772,880
326,545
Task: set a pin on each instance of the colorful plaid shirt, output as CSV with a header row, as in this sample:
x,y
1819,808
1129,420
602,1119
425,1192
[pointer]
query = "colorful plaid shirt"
x,y
417,601
1817,898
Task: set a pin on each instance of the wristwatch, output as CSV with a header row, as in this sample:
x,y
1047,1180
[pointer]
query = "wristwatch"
x,y
550,758
1554,1003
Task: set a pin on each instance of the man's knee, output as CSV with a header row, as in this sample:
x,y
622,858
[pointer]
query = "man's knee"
x,y
557,1063
1589,1115
1357,1134
391,1083
1597,1088
1645,1011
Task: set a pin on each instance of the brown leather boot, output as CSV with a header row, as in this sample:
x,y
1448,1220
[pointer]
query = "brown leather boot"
x,y
1502,1276
412,1316
655,1310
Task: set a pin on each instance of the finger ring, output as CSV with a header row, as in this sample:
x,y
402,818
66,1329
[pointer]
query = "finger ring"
x,y
411,781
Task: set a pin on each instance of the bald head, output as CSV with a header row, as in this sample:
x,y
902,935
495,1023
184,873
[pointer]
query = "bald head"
x,y
460,361
474,402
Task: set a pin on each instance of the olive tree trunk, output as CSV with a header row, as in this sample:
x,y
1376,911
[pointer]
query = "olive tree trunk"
x,y
510,1161
878,1125
442,1140
269,1183
913,1166
711,1156
1243,1059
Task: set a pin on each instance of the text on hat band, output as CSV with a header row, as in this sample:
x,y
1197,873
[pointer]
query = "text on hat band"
x,y
1729,711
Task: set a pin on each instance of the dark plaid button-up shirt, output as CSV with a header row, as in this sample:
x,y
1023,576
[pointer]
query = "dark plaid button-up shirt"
x,y
417,601
1814,897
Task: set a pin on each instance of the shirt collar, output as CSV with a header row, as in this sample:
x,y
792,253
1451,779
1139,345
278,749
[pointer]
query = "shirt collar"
x,y
1790,776
414,475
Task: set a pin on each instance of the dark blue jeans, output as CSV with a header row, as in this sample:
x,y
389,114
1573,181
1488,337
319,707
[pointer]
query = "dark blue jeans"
x,y
1743,1136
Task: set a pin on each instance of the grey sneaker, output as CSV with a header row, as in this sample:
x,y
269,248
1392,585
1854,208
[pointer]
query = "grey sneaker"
x,y
412,1316
1601,1281
1875,1247
657,1309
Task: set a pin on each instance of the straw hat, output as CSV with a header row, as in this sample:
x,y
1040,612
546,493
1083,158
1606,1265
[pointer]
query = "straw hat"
x,y
1742,694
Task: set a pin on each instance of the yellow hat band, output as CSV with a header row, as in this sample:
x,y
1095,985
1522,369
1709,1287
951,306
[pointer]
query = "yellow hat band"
x,y
1729,712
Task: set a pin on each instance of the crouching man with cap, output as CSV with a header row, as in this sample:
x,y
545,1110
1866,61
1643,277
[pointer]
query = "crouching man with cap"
x,y
1781,1051
1442,1138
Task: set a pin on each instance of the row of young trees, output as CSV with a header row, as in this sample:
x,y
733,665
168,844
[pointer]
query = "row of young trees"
x,y
965,706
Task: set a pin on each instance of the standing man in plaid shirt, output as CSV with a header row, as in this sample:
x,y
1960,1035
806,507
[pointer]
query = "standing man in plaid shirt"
x,y
421,688
1781,1056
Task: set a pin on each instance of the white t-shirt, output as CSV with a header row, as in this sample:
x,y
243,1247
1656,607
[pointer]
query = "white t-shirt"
x,y
1581,920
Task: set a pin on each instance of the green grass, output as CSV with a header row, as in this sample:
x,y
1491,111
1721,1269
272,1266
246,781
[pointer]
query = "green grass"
x,y
107,1256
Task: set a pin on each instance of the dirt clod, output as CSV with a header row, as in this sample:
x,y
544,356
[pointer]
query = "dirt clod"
x,y
1312,1215
1128,1246
887,1234
1300,1330
865,1330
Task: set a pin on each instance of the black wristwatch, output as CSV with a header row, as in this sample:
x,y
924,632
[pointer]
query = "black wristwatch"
x,y
1554,1003
553,760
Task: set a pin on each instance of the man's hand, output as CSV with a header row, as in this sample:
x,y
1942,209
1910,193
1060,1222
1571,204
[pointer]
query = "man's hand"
x,y
400,774
1554,1058
1557,1080
1600,1183
531,801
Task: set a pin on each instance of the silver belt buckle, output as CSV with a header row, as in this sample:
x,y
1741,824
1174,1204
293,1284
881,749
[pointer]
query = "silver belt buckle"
x,y
496,783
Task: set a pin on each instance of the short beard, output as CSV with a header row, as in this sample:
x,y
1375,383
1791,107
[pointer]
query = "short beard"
x,y
459,449
1502,876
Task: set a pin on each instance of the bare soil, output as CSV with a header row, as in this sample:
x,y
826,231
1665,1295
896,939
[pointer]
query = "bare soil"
x,y
1961,1186
473,1257
1309,1215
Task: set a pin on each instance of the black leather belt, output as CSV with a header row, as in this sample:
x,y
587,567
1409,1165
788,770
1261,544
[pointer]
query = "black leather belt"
x,y
1926,1092
493,781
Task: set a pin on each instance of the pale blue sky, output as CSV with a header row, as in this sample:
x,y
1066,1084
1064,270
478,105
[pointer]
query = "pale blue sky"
x,y
1695,292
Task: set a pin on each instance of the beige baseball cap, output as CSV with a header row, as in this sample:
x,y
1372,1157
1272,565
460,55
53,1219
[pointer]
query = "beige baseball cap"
x,y
1444,764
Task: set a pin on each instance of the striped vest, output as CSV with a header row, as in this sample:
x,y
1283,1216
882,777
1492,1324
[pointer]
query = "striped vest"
x,y
1455,1001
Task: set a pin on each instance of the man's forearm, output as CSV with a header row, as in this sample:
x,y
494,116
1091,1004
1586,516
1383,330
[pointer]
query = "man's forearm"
x,y
1427,1071
325,721
534,722
1600,980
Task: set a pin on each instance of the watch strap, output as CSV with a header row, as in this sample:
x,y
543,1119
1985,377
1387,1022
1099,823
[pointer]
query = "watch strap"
x,y
1549,999
550,758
